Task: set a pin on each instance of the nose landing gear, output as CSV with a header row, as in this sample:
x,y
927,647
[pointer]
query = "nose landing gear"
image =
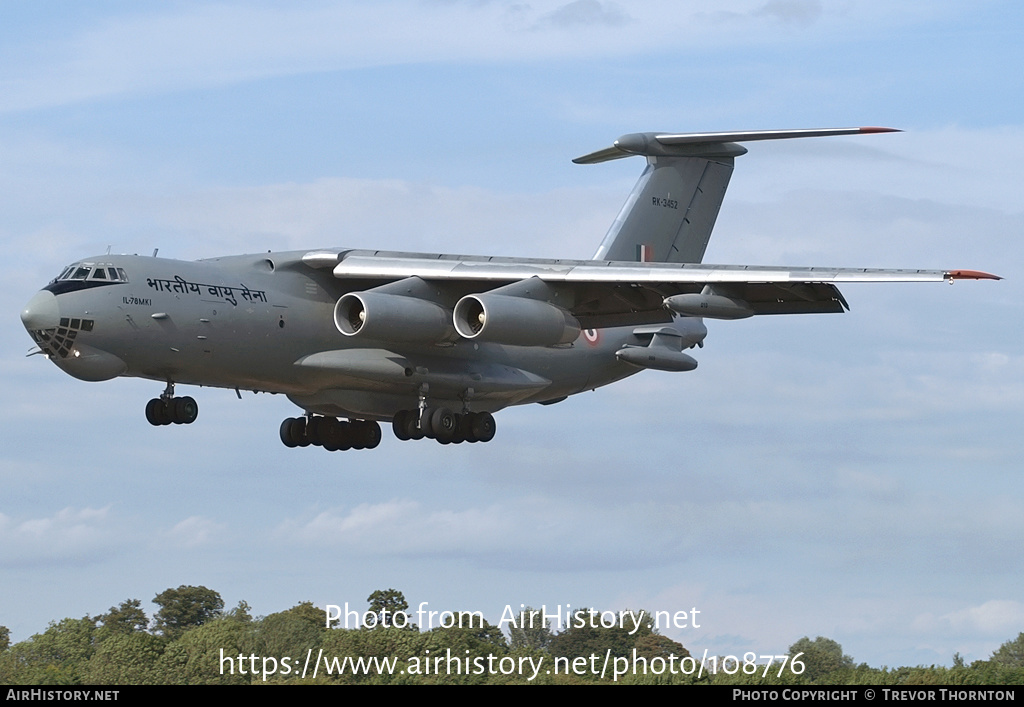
x,y
168,409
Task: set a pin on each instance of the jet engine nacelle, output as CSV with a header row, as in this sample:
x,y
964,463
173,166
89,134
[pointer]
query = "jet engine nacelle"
x,y
518,321
375,315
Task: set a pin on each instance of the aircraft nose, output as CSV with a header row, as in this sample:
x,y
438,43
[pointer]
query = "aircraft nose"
x,y
41,312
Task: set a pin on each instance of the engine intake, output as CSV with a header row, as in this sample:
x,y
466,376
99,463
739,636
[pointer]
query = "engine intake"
x,y
375,315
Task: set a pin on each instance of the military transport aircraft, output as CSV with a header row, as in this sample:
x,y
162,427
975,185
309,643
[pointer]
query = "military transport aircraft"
x,y
437,343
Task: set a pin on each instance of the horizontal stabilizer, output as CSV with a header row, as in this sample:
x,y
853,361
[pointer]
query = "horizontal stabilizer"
x,y
706,144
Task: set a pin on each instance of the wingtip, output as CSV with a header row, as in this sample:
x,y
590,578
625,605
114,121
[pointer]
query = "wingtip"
x,y
868,130
971,275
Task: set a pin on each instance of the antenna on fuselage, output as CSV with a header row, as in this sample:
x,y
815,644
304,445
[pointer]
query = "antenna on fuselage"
x,y
155,251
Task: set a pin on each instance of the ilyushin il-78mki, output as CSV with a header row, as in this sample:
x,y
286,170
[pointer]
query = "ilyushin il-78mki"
x,y
435,344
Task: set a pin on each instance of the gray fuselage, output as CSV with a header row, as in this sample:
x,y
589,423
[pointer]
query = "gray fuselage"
x,y
265,323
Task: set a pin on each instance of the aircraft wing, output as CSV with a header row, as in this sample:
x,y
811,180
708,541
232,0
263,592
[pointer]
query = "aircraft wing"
x,y
611,293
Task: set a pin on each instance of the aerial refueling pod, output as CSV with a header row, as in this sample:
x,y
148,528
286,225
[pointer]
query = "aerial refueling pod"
x,y
664,349
656,357
709,303
398,311
519,314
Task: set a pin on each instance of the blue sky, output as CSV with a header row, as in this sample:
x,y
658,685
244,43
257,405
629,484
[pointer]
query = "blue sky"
x,y
853,476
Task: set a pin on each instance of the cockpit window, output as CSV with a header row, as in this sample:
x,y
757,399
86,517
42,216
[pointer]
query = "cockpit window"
x,y
92,271
84,276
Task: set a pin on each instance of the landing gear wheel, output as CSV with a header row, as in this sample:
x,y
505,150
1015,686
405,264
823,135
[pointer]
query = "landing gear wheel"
x,y
443,424
165,410
332,435
186,410
426,426
314,430
293,431
466,427
355,434
484,427
346,436
398,425
371,434
459,435
413,428
154,412
298,431
165,413
288,432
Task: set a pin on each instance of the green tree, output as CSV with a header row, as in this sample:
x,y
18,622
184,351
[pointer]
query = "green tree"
x,y
185,607
387,604
240,612
390,643
655,645
5,638
58,656
127,617
821,657
309,614
292,632
531,630
214,654
475,638
587,634
1010,653
127,659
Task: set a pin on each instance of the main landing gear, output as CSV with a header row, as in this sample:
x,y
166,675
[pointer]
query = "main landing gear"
x,y
332,434
444,425
336,435
167,409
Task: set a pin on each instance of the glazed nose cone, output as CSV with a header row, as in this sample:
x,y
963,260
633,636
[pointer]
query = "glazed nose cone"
x,y
41,312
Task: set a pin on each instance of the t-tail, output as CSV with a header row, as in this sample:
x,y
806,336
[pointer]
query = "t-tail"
x,y
670,213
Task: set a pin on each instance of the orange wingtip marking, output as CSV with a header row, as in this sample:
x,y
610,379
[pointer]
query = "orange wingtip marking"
x,y
972,275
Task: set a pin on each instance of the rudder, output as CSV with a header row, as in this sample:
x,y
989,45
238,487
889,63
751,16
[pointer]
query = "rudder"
x,y
670,213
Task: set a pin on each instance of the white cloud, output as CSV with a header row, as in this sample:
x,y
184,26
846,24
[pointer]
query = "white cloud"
x,y
522,530
202,45
996,618
75,535
194,531
582,13
800,12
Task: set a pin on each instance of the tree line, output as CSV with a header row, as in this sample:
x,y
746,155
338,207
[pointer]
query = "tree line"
x,y
193,639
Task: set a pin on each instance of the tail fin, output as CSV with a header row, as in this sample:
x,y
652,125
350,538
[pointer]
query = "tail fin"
x,y
671,211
